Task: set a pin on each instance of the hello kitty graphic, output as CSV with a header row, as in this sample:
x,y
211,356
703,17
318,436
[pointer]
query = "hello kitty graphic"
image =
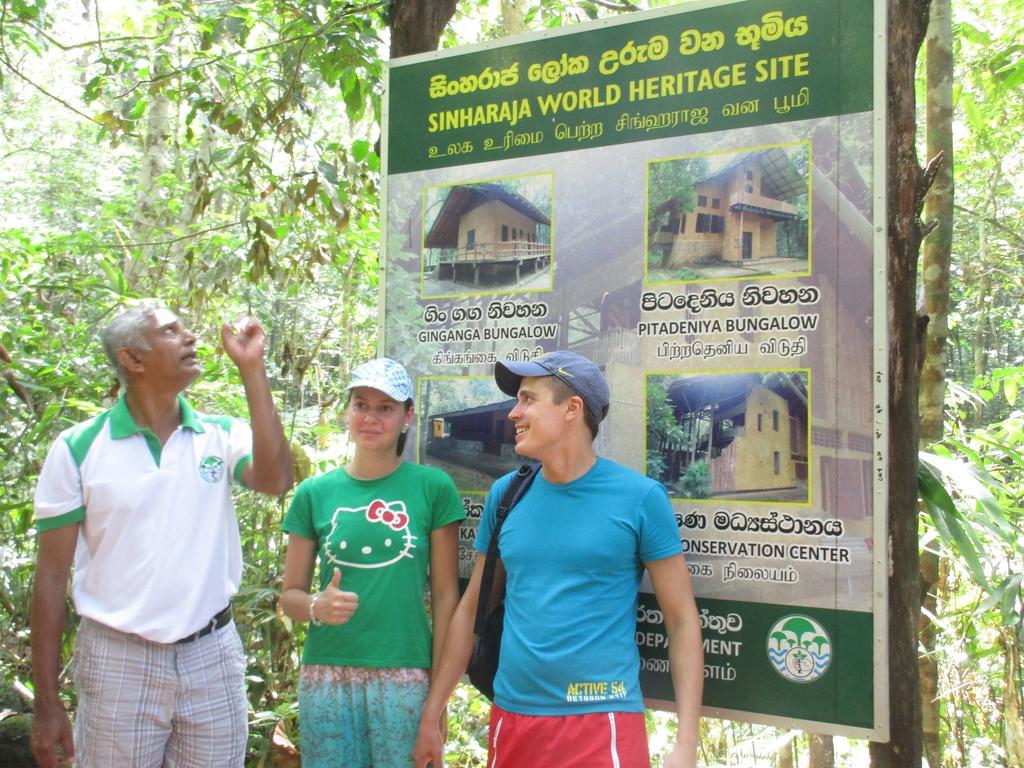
x,y
374,536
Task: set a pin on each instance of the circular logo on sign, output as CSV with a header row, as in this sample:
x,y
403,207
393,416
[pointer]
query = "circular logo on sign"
x,y
211,469
799,648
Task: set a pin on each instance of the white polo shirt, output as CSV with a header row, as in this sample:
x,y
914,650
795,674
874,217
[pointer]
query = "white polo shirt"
x,y
158,551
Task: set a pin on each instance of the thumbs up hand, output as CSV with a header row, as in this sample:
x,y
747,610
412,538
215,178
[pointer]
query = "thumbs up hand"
x,y
334,606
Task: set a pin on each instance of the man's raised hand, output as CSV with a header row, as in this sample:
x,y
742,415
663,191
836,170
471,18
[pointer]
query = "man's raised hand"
x,y
244,341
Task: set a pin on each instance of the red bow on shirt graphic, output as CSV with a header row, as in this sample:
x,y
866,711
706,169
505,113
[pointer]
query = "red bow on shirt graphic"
x,y
379,512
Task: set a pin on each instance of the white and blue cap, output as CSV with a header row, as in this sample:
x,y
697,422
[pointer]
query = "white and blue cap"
x,y
385,375
580,374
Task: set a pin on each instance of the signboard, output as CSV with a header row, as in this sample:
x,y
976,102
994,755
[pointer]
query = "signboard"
x,y
693,198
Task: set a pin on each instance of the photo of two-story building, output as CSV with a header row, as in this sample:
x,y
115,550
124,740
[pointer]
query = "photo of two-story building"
x,y
739,214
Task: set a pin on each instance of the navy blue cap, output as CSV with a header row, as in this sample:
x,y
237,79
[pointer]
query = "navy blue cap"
x,y
580,374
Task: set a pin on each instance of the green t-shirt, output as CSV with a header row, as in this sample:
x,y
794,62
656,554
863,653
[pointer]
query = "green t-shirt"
x,y
378,533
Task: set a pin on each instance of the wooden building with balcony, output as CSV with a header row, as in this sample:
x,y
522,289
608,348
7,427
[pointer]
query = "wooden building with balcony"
x,y
736,213
753,436
486,234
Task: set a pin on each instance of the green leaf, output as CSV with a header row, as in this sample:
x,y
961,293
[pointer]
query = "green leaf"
x,y
972,33
949,521
975,483
1009,606
115,277
1010,389
265,227
1006,595
137,109
329,171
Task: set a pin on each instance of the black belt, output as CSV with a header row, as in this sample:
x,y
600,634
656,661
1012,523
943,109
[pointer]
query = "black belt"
x,y
219,620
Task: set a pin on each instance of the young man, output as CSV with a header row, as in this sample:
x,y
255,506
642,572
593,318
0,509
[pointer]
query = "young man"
x,y
567,693
139,498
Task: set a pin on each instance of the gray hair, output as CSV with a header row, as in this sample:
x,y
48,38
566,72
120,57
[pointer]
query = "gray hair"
x,y
128,330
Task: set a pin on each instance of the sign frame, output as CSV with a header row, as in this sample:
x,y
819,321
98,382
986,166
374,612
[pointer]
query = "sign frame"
x,y
392,337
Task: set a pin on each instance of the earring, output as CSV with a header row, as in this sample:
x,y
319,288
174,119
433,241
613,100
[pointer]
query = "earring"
x,y
405,429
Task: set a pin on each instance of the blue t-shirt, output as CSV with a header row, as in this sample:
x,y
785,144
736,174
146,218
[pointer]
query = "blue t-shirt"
x,y
574,555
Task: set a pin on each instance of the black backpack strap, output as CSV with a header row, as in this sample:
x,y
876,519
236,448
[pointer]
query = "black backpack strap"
x,y
513,493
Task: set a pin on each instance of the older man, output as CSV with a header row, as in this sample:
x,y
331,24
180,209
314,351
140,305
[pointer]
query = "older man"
x,y
139,498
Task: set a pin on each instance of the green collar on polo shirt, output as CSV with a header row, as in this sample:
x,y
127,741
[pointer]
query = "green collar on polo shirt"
x,y
123,425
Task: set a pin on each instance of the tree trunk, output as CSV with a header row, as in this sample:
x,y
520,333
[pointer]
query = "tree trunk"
x,y
905,189
1013,707
935,278
928,668
416,25
785,757
939,208
147,217
513,18
982,301
821,751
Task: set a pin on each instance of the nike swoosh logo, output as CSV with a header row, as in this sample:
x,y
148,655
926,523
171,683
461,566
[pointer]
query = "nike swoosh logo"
x,y
566,373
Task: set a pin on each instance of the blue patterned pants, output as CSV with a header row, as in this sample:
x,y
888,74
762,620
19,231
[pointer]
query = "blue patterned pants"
x,y
355,717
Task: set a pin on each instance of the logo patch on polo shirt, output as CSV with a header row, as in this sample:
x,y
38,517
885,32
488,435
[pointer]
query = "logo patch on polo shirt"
x,y
211,469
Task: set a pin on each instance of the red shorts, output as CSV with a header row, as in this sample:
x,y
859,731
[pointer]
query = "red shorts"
x,y
593,740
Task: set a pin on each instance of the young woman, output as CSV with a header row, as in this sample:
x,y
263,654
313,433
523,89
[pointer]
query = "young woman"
x,y
375,525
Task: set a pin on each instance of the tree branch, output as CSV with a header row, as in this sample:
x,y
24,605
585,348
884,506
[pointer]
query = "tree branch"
x,y
171,241
14,152
1017,238
269,46
283,101
620,7
12,382
5,59
99,42
932,169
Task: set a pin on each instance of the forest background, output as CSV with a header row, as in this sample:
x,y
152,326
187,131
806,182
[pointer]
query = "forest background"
x,y
222,155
